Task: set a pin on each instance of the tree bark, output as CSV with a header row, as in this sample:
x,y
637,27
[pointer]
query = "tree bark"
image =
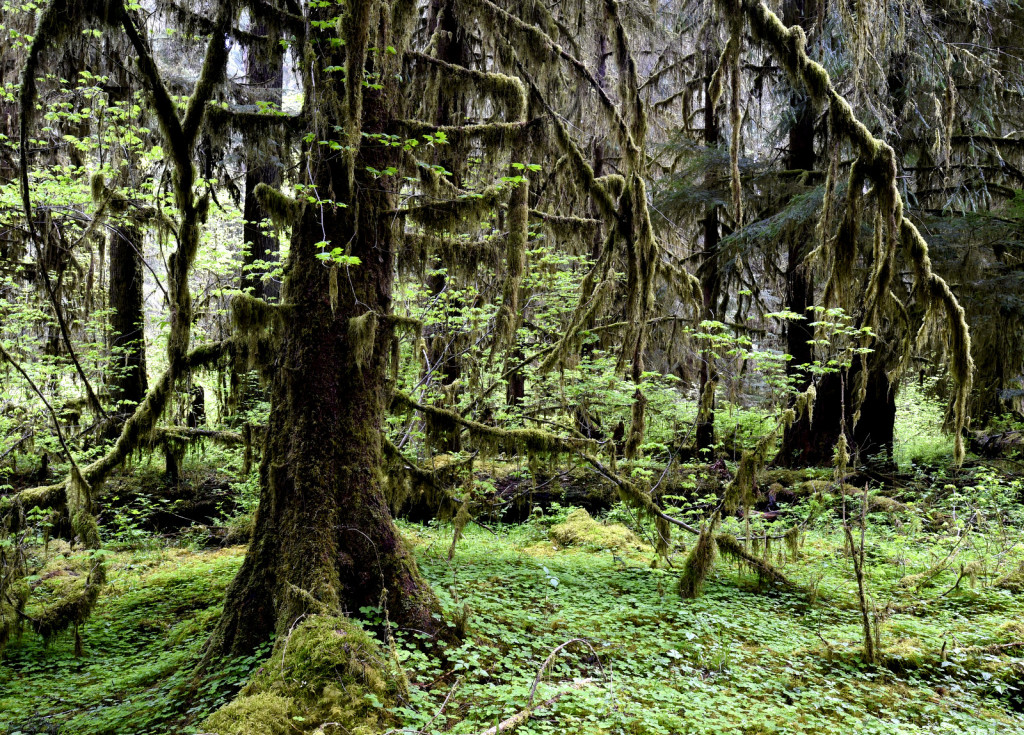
x,y
710,275
324,538
799,441
127,318
262,166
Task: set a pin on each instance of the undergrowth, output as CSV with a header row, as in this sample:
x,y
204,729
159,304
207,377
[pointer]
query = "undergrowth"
x,y
742,657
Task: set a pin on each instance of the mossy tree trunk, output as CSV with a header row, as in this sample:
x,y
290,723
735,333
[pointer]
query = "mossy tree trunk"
x,y
265,72
710,273
873,433
323,528
799,440
324,539
443,343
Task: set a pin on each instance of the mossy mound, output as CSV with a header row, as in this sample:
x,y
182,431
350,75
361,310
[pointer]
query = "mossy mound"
x,y
1014,581
65,592
906,654
328,670
579,529
239,529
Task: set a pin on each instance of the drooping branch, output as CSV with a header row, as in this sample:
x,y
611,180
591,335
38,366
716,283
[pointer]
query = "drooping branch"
x,y
137,428
877,161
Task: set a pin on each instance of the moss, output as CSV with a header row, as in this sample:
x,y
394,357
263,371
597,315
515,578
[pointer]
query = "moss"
x,y
1011,631
637,424
1013,581
362,334
905,654
451,214
875,162
259,714
515,263
579,529
283,210
699,562
326,670
65,593
792,541
731,547
240,529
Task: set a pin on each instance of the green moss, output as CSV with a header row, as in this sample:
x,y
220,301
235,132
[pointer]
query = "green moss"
x,y
259,714
240,529
579,529
1013,581
362,334
65,593
699,562
326,670
283,210
905,654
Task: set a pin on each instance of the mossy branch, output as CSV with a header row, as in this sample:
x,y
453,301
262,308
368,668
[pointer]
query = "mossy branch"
x,y
135,431
284,211
502,88
538,39
878,160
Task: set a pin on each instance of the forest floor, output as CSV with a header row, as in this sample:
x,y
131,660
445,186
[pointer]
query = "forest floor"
x,y
741,658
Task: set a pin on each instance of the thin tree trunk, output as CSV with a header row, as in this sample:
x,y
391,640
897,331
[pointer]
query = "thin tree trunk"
x,y
127,318
709,272
262,166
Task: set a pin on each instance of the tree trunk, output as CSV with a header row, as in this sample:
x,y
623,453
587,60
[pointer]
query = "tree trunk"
x,y
324,539
799,442
873,434
127,318
710,275
262,166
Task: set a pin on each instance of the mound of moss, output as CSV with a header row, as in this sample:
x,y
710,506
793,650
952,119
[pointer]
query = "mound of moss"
x,y
581,530
1014,581
65,591
328,670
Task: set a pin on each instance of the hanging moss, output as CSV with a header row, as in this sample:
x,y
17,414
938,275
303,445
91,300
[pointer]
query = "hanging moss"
x,y
282,209
80,509
65,593
792,541
491,438
729,546
362,335
699,562
451,214
877,163
637,424
508,91
515,263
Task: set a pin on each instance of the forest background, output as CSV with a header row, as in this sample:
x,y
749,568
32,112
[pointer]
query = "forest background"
x,y
742,280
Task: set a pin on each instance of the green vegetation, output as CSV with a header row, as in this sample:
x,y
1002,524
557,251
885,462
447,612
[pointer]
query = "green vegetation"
x,y
471,366
740,657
